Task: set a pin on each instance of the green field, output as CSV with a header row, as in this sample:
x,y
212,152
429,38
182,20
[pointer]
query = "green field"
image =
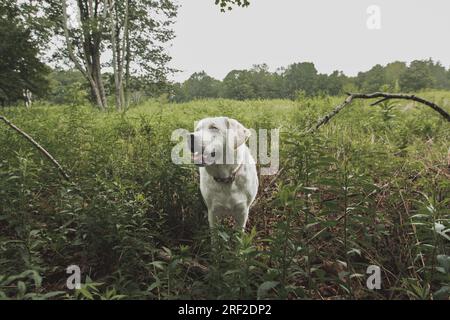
x,y
372,187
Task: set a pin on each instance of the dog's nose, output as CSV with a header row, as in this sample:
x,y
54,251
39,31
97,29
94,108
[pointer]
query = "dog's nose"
x,y
192,143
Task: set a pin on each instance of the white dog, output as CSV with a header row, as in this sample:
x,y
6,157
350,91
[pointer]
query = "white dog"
x,y
228,177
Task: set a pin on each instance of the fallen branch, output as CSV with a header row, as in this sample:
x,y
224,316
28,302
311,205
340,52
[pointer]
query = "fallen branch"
x,y
384,97
388,96
330,115
38,146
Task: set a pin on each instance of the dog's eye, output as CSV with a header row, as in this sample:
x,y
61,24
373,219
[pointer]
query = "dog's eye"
x,y
213,127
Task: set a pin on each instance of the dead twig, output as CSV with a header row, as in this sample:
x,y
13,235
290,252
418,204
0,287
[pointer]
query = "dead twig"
x,y
330,115
37,145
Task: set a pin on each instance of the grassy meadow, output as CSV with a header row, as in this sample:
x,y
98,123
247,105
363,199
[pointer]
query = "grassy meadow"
x,y
372,187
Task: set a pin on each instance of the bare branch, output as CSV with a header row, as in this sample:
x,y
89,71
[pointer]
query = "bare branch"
x,y
379,101
330,115
387,96
384,97
38,146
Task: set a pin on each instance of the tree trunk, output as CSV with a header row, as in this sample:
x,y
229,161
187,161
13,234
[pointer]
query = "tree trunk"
x,y
124,52
127,57
89,65
114,53
96,94
127,74
97,73
118,51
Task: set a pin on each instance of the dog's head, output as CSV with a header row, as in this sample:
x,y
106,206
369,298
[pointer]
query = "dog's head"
x,y
214,139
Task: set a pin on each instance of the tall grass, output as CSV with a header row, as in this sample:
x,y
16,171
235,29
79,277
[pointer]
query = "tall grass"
x,y
371,188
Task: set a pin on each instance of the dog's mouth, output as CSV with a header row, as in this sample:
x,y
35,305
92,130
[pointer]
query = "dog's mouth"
x,y
197,157
200,160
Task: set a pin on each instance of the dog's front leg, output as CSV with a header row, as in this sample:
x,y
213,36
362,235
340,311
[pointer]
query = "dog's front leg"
x,y
212,218
241,217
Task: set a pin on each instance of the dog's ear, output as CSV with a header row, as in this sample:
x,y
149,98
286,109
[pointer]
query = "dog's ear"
x,y
238,132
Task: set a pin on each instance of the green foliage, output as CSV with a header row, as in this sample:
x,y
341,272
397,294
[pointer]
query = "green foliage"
x,y
371,187
387,110
148,35
300,76
24,286
418,76
228,4
198,86
372,80
20,66
68,87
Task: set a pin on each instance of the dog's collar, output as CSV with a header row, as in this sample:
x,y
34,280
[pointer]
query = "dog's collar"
x,y
231,178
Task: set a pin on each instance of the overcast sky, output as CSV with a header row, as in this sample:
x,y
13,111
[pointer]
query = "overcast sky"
x,y
331,33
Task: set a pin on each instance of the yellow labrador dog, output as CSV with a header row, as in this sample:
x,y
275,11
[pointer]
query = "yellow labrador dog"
x,y
228,177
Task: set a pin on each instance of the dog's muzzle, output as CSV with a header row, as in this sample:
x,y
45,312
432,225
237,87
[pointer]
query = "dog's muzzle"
x,y
196,156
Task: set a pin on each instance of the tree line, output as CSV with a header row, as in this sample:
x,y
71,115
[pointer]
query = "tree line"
x,y
113,53
303,79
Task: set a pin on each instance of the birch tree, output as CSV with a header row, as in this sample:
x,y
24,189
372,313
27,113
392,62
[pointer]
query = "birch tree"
x,y
84,43
126,36
139,31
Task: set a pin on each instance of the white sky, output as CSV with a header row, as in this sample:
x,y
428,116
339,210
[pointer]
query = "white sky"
x,y
331,33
